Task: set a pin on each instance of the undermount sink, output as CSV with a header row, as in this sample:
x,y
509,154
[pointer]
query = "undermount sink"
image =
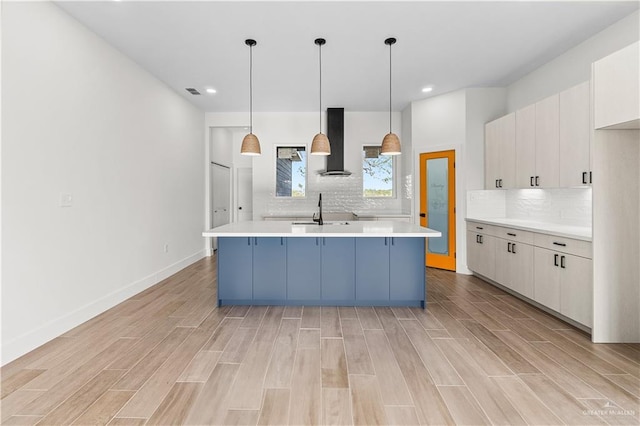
x,y
316,223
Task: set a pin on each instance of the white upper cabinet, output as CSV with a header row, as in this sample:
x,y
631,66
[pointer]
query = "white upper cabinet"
x,y
526,147
617,89
500,153
575,136
547,143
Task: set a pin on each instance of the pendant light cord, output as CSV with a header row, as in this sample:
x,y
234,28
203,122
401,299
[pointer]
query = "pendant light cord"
x,y
320,97
390,88
250,88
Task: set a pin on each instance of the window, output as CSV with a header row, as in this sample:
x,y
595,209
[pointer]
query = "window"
x,y
377,173
291,171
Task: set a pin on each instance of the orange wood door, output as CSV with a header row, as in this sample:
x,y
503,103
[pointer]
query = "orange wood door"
x,y
438,208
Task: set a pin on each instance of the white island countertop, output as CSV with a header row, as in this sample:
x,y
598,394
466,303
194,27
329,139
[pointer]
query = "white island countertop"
x,y
329,229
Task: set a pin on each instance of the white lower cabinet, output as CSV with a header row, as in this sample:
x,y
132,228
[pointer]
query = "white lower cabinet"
x,y
514,266
556,272
564,283
481,254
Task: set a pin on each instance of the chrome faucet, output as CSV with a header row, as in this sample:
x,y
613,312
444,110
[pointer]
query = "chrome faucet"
x,y
319,218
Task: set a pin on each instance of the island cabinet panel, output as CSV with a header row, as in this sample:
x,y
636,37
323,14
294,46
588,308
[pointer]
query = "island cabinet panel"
x,y
338,269
407,270
235,272
303,268
269,268
372,269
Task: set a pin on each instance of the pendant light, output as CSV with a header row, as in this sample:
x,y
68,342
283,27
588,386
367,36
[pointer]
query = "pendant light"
x,y
250,143
320,144
390,143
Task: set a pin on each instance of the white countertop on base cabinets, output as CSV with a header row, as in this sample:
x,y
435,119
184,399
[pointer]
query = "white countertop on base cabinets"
x,y
569,231
329,229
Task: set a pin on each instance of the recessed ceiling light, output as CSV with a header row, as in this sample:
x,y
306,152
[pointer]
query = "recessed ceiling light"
x,y
427,89
210,90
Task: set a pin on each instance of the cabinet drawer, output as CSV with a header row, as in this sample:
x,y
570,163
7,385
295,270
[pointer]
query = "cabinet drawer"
x,y
481,228
564,245
514,235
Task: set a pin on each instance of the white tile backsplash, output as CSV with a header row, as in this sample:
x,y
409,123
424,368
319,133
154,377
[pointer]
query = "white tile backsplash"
x,y
566,206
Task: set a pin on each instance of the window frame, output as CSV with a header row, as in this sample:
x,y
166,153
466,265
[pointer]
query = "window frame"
x,y
393,174
306,175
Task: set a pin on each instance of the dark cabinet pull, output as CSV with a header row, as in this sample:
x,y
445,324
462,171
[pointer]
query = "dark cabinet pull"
x,y
531,181
500,180
584,177
537,180
513,248
316,240
324,241
393,241
555,260
481,239
248,241
255,241
497,183
555,243
590,177
479,227
385,241
562,258
281,241
511,233
509,247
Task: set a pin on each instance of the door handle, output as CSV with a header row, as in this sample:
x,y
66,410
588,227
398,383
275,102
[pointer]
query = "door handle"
x,y
562,259
423,215
555,260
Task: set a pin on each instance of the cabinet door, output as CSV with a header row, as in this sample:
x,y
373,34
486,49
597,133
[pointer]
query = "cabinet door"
x,y
303,268
547,142
491,155
235,274
526,147
520,269
269,268
338,268
546,287
481,256
575,136
576,288
372,268
407,270
507,139
503,257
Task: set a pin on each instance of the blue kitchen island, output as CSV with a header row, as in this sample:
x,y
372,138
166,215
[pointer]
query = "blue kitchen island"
x,y
359,263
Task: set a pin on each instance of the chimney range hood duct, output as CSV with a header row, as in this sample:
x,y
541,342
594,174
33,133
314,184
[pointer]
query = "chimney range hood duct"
x,y
335,133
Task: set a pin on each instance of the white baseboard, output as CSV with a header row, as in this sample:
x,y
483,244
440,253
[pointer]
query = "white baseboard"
x,y
32,339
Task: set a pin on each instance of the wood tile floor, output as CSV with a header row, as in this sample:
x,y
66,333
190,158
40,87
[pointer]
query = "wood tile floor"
x,y
476,355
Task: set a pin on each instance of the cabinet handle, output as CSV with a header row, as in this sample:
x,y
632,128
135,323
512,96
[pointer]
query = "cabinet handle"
x,y
393,241
497,183
500,183
248,241
531,181
324,241
555,260
537,180
511,234
481,239
562,259
555,243
513,248
316,240
509,247
281,241
590,177
479,227
584,177
255,241
385,241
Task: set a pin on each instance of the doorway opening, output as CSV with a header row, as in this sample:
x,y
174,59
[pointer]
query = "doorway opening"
x,y
438,208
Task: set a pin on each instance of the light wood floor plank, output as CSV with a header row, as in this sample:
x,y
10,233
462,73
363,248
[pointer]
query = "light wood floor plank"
x,y
368,318
222,335
284,353
275,407
627,382
528,405
306,389
18,380
329,322
241,418
254,316
334,364
175,407
463,406
367,405
401,416
16,401
238,311
356,351
127,421
427,319
309,339
200,367
608,412
22,420
438,334
336,406
310,317
402,312
347,312
104,408
210,406
292,312
237,347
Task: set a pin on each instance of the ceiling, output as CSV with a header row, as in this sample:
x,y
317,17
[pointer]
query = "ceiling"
x,y
447,45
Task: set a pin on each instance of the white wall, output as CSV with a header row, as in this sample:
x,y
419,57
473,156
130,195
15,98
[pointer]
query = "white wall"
x,y
298,128
574,66
80,118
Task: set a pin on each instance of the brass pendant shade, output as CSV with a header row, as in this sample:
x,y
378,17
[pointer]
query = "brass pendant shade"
x,y
320,144
250,143
390,143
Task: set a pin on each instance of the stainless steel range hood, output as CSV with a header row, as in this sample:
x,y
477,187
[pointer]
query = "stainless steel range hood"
x,y
335,133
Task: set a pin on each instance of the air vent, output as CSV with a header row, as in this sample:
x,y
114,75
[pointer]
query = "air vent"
x,y
192,91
